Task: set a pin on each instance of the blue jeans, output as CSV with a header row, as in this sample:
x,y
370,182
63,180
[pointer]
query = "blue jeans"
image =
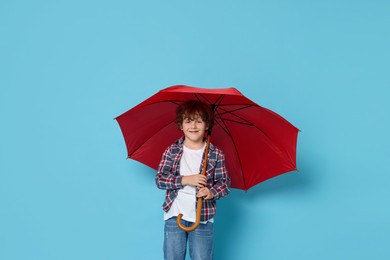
x,y
200,241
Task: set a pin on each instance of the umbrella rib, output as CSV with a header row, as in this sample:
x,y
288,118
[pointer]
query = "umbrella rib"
x,y
244,121
226,129
235,121
198,98
215,104
234,110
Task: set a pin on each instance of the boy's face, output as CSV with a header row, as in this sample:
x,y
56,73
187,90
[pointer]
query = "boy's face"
x,y
194,129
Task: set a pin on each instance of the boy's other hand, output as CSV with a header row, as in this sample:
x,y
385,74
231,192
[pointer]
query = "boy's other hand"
x,y
195,180
205,193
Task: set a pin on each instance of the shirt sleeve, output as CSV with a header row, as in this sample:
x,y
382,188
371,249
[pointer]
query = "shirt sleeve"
x,y
221,186
165,178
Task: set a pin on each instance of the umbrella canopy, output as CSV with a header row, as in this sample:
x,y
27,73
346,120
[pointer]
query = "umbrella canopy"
x,y
258,143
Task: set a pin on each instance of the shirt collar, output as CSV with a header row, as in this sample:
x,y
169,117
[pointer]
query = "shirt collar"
x,y
180,142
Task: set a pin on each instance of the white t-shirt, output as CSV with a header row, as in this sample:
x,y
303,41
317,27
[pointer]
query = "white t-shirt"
x,y
185,202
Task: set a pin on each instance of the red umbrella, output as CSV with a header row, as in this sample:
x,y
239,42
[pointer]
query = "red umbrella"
x,y
258,143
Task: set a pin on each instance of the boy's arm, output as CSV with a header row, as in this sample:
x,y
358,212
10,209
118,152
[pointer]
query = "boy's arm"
x,y
165,179
221,184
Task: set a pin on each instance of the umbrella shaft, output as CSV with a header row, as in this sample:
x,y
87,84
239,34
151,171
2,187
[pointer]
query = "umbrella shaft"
x,y
200,200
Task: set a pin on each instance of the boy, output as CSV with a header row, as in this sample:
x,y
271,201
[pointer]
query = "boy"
x,y
178,174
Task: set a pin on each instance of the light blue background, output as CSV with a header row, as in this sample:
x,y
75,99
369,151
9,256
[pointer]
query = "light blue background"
x,y
67,68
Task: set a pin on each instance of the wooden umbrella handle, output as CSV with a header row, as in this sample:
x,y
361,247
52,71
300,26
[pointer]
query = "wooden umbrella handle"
x,y
200,200
197,222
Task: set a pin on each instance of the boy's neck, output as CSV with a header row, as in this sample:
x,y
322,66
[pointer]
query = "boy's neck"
x,y
193,145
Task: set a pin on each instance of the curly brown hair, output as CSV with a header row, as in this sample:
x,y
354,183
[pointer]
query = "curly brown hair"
x,y
193,108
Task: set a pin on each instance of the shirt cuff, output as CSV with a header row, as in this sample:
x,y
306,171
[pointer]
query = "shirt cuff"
x,y
178,182
215,193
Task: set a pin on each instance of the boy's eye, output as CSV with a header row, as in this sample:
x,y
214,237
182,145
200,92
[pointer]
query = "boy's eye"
x,y
188,121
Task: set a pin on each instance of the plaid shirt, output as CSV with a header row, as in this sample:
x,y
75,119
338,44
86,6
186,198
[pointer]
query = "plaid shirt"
x,y
168,177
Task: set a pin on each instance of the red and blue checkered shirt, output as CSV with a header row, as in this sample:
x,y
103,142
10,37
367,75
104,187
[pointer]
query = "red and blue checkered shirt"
x,y
168,177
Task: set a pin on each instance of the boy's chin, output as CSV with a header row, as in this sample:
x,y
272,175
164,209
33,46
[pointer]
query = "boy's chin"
x,y
194,138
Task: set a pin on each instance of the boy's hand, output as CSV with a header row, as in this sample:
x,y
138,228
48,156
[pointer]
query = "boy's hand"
x,y
195,180
205,193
